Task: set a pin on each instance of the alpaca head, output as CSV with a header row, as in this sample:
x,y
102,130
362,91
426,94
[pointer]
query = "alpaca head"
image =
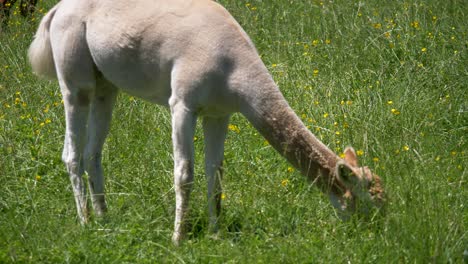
x,y
362,189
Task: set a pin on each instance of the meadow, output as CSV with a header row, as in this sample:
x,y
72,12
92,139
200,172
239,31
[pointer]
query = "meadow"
x,y
387,77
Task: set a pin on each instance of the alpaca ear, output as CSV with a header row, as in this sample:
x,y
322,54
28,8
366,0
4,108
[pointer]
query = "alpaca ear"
x,y
346,175
351,157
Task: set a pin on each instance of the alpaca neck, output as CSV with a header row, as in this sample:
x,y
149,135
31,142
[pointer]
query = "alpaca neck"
x,y
271,115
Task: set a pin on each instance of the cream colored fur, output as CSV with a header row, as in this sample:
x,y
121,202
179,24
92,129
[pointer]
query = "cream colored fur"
x,y
193,57
40,51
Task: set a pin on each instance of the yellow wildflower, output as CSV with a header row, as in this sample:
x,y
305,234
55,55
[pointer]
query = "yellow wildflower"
x,y
360,152
284,182
234,128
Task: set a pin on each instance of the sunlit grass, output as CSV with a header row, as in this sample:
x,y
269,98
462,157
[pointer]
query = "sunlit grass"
x,y
388,78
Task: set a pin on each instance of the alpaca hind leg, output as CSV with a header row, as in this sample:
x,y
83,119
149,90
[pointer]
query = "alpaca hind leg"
x,y
215,130
76,113
76,76
99,120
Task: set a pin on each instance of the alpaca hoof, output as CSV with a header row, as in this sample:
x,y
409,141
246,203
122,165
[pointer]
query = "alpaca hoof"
x,y
214,236
100,211
177,239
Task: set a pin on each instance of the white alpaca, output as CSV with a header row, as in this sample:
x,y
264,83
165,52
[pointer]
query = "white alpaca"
x,y
195,58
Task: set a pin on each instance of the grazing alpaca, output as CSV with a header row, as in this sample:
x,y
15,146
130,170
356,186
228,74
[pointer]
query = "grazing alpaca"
x,y
193,57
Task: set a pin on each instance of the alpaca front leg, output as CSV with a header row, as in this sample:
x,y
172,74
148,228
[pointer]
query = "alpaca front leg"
x,y
100,117
183,129
76,113
215,130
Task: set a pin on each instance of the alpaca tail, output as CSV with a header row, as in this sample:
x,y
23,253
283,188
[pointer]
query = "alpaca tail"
x,y
40,51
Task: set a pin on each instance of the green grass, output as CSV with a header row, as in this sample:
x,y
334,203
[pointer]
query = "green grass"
x,y
388,77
